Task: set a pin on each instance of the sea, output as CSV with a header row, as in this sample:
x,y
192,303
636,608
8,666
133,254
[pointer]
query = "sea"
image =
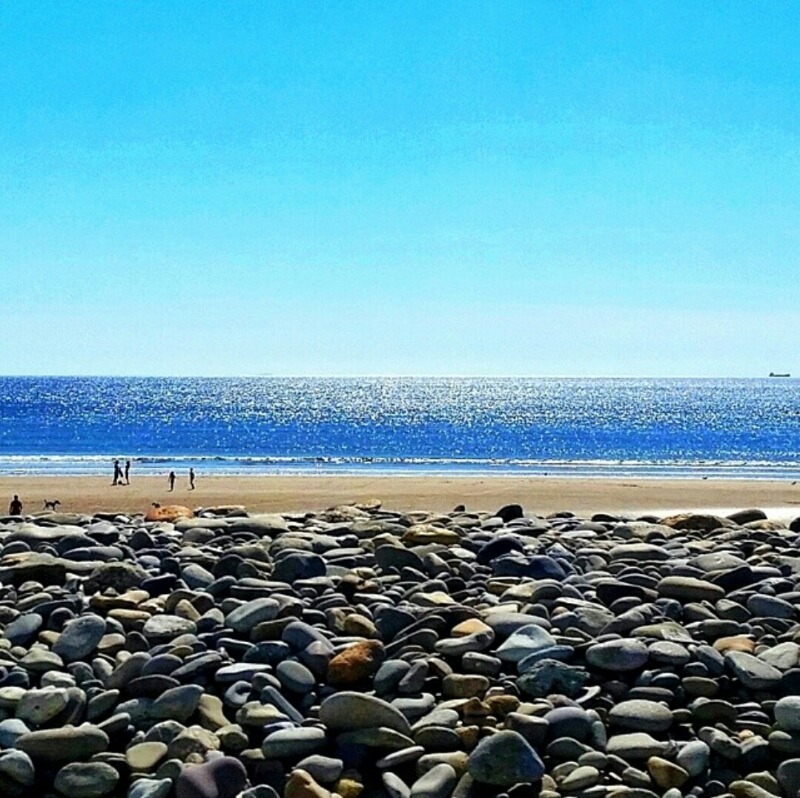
x,y
570,427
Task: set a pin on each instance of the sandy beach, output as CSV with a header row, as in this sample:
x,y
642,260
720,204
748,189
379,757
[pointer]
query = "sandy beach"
x,y
541,495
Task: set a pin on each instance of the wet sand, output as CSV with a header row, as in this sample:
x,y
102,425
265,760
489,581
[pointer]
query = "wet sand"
x,y
540,495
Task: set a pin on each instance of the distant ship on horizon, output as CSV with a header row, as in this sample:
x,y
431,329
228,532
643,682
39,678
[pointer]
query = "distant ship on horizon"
x,y
774,374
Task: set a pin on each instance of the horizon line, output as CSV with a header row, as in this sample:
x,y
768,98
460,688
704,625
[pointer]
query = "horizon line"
x,y
405,376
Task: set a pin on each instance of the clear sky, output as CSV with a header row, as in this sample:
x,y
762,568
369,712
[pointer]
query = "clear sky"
x,y
527,188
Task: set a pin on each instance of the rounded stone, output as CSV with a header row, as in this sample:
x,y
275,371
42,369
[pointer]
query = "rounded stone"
x,y
523,642
693,757
505,759
438,782
37,707
666,774
86,780
80,637
17,766
145,756
251,613
787,713
293,742
641,716
223,777
65,744
347,710
150,788
618,655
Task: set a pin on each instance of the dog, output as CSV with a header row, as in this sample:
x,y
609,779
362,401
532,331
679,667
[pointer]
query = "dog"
x,y
48,505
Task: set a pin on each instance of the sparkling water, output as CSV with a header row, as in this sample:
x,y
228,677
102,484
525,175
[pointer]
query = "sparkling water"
x,y
616,427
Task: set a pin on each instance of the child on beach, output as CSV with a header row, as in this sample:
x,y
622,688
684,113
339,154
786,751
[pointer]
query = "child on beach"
x,y
15,508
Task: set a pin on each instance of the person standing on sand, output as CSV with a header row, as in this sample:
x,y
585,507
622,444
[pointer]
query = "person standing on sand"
x,y
171,481
15,508
191,479
117,473
127,472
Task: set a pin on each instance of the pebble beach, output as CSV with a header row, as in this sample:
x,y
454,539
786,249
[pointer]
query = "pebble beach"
x,y
359,651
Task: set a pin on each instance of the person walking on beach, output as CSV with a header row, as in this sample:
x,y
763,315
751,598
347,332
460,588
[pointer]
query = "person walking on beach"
x,y
15,508
127,472
191,479
171,481
117,473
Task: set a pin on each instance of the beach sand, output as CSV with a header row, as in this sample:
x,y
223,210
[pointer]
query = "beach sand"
x,y
539,495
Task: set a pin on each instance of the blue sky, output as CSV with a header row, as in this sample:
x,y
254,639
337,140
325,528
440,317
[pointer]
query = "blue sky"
x,y
522,188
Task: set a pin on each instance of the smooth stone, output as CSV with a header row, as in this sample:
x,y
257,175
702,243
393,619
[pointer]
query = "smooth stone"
x,y
168,627
380,737
145,756
438,782
635,746
346,711
63,744
293,742
177,703
505,759
223,777
295,676
301,784
524,641
80,637
37,707
641,715
22,631
666,774
788,775
86,779
395,786
747,789
618,655
687,588
753,673
40,660
325,769
787,713
783,656
17,766
251,613
693,757
581,778
298,565
568,722
150,788
403,756
11,730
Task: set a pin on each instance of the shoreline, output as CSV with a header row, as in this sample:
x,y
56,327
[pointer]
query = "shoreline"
x,y
300,493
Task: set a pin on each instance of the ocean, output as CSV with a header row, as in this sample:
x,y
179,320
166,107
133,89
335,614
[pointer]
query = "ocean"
x,y
738,428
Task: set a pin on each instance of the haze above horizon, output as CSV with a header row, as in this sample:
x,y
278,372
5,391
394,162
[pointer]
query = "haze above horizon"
x,y
367,189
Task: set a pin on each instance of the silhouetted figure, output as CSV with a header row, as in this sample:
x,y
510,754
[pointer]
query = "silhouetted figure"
x,y
117,473
191,479
15,508
171,481
127,472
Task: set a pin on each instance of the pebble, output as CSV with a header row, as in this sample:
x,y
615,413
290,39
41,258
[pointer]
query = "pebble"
x,y
358,651
86,780
505,759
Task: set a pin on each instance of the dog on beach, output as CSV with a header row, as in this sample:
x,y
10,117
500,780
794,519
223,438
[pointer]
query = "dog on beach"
x,y
51,505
